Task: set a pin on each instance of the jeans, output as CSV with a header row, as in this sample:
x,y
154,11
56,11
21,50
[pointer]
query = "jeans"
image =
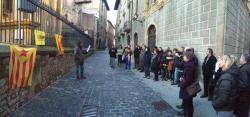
x,y
112,62
171,75
188,107
164,73
147,71
79,70
156,74
128,62
225,114
119,59
137,61
177,75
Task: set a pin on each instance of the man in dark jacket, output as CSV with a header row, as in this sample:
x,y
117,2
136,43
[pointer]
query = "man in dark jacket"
x,y
137,56
225,92
243,101
112,53
79,60
147,62
208,67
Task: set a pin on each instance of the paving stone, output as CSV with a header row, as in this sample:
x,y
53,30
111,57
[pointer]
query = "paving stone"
x,y
117,92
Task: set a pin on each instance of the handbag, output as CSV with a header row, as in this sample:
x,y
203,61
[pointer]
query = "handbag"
x,y
193,89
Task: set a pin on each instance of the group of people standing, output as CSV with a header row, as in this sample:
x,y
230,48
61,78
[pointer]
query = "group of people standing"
x,y
226,81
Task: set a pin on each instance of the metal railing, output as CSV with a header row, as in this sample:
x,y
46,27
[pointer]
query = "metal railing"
x,y
20,18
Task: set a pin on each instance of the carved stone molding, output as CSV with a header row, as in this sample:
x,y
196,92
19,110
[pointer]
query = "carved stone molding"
x,y
154,7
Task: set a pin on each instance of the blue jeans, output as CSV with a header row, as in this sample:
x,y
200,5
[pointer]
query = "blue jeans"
x,y
112,62
177,75
147,70
79,70
225,114
128,62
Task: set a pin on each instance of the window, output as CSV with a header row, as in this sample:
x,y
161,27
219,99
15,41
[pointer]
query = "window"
x,y
7,5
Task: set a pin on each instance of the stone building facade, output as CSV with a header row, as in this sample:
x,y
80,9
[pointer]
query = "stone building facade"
x,y
110,34
91,16
220,24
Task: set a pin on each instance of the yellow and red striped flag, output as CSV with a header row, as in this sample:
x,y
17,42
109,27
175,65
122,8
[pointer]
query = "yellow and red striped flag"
x,y
22,61
59,44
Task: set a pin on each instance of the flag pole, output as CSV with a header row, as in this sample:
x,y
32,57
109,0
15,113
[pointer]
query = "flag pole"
x,y
19,21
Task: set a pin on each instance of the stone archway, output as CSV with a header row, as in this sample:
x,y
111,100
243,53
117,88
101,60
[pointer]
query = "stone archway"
x,y
151,36
135,39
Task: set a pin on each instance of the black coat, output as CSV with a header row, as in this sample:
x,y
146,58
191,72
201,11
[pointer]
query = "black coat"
x,y
245,78
226,90
137,52
208,66
178,62
112,52
147,58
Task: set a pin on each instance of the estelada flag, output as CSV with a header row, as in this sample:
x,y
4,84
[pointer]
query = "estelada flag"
x,y
22,61
59,44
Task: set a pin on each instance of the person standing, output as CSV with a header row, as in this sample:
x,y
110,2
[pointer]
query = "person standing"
x,y
119,53
128,55
243,101
178,67
208,68
164,63
147,62
189,77
112,53
137,56
155,63
141,66
79,60
225,92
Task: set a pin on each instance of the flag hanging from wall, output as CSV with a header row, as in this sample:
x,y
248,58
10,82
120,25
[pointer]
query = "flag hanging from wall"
x,y
21,66
59,44
39,37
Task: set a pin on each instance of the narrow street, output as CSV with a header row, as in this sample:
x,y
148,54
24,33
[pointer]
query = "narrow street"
x,y
109,92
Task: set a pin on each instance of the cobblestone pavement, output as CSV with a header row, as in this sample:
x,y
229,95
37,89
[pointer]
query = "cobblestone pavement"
x,y
116,93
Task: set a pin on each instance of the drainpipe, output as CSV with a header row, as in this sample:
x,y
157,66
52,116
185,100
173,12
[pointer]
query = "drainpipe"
x,y
131,19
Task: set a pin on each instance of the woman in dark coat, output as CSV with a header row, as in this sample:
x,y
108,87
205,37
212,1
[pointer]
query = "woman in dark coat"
x,y
225,92
155,63
147,62
189,77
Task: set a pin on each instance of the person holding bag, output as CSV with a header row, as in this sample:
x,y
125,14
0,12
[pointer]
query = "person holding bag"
x,y
188,79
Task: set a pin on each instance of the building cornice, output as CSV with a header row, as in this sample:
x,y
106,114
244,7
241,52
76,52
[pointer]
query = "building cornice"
x,y
153,8
106,4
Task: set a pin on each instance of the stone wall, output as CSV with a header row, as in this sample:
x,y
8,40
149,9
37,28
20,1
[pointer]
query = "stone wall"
x,y
237,34
222,25
190,23
48,68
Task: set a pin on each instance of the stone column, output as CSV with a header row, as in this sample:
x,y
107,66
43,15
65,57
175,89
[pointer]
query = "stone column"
x,y
221,5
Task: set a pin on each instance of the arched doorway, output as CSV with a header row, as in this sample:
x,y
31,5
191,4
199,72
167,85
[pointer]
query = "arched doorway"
x,y
151,36
128,40
135,39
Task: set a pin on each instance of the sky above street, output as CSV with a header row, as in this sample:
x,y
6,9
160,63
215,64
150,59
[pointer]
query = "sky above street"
x,y
112,13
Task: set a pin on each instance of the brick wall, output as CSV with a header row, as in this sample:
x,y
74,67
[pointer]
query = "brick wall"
x,y
48,68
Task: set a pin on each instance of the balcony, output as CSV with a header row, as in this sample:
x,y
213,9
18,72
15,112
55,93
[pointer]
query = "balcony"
x,y
127,27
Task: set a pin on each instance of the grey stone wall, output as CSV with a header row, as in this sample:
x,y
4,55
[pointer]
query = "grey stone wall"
x,y
191,23
237,34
